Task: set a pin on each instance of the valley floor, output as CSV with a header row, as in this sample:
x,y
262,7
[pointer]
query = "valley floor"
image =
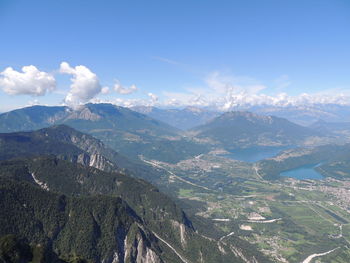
x,y
288,220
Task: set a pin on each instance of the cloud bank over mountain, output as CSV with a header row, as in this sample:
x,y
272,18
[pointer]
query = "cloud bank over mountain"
x,y
85,84
124,90
224,92
218,91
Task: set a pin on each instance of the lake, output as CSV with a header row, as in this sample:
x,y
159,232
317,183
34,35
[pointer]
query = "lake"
x,y
255,154
303,172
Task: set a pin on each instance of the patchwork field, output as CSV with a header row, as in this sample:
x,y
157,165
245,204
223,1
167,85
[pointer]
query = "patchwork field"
x,y
287,219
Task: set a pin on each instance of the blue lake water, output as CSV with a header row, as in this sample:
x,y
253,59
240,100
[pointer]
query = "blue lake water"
x,y
303,172
255,154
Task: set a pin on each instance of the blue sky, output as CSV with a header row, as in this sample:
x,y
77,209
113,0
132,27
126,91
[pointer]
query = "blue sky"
x,y
194,52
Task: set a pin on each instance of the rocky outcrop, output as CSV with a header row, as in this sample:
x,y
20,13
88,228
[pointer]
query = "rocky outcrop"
x,y
136,246
181,229
83,113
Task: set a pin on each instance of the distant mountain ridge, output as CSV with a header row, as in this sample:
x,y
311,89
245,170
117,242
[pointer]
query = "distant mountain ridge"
x,y
306,114
126,131
183,119
243,129
107,116
332,127
31,118
301,114
136,135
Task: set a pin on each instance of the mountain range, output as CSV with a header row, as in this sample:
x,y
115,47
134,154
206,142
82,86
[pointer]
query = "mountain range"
x,y
136,135
306,114
102,172
191,116
183,119
126,131
64,206
339,128
244,129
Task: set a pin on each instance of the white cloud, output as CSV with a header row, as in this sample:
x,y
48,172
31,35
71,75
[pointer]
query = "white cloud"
x,y
30,81
105,90
124,90
233,91
153,99
177,98
222,83
225,92
238,92
221,92
85,84
173,103
130,102
192,98
33,102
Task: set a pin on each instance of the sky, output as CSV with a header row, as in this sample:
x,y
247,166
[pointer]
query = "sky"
x,y
222,54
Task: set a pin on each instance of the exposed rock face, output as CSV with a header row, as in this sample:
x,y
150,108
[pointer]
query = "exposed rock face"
x,y
95,158
144,253
94,150
84,113
136,244
58,116
41,184
239,253
86,143
83,159
134,247
100,162
181,228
